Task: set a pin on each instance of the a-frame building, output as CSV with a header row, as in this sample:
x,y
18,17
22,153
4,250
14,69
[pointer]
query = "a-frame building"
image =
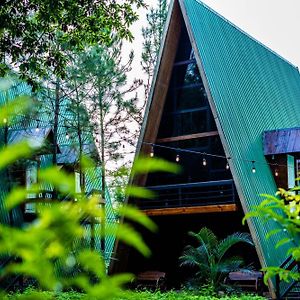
x,y
216,90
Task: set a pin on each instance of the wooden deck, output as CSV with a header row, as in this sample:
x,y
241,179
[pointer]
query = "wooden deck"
x,y
191,210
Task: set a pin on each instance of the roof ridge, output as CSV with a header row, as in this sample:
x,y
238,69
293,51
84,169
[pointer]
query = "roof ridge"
x,y
246,33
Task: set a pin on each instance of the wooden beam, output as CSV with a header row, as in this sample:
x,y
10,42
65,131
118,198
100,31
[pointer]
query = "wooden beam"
x,y
159,89
188,137
153,112
191,210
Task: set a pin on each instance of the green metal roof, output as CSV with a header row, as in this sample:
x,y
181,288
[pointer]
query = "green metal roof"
x,y
252,89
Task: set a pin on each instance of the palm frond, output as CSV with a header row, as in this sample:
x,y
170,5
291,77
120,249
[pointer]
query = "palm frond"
x,y
206,238
230,265
231,240
191,256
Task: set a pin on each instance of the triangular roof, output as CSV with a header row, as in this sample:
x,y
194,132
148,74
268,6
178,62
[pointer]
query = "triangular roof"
x,y
250,88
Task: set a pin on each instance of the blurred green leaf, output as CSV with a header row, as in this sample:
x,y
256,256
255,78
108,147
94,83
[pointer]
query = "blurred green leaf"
x,y
62,181
139,192
91,261
13,108
128,235
137,216
12,153
144,165
19,195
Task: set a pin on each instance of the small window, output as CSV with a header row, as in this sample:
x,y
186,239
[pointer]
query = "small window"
x,y
77,182
31,178
291,171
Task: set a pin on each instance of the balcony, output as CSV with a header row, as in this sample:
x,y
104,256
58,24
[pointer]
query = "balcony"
x,y
210,193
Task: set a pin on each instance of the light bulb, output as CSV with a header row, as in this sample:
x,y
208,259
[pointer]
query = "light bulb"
x,y
204,163
227,166
67,136
276,173
177,158
152,152
4,120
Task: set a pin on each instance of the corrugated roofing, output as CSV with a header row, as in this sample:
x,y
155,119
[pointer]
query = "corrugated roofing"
x,y
70,154
67,153
281,141
253,90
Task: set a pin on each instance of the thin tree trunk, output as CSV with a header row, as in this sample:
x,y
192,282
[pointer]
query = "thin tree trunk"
x,y
103,186
10,213
55,128
79,134
56,119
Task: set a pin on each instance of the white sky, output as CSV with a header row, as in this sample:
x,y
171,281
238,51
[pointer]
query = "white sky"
x,y
275,23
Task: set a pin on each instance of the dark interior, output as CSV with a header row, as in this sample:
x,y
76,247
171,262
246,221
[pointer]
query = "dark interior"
x,y
168,243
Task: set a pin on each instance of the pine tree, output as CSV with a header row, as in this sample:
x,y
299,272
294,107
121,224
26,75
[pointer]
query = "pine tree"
x,y
152,35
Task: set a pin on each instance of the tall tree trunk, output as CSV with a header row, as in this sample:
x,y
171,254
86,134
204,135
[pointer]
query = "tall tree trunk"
x,y
8,183
56,120
79,134
103,186
55,128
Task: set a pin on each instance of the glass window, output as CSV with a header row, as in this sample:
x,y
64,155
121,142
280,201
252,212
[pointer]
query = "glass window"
x,y
186,74
77,182
31,178
291,171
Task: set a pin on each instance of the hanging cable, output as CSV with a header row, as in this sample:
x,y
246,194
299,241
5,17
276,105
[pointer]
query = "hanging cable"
x,y
214,155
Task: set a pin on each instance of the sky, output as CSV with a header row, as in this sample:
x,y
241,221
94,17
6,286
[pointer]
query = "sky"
x,y
275,23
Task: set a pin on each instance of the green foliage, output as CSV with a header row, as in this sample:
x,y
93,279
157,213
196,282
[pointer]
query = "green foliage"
x,y
284,211
36,34
152,34
209,258
51,250
144,295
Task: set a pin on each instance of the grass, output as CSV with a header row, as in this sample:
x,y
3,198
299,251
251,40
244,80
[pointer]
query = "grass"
x,y
144,295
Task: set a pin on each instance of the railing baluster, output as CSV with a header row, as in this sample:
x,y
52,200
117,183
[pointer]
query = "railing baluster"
x,y
191,194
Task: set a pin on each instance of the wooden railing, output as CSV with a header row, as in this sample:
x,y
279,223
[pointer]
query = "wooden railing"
x,y
191,194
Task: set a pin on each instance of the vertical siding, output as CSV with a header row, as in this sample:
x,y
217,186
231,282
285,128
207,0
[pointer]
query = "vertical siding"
x,y
253,89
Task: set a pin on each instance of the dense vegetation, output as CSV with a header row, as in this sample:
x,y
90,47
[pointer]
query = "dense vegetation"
x,y
146,295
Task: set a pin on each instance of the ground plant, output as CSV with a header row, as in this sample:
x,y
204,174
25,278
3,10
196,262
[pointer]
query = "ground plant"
x,y
209,257
284,209
144,295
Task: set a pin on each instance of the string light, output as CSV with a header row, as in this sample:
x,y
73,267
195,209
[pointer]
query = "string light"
x,y
152,151
37,129
276,172
4,120
177,158
204,161
67,136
